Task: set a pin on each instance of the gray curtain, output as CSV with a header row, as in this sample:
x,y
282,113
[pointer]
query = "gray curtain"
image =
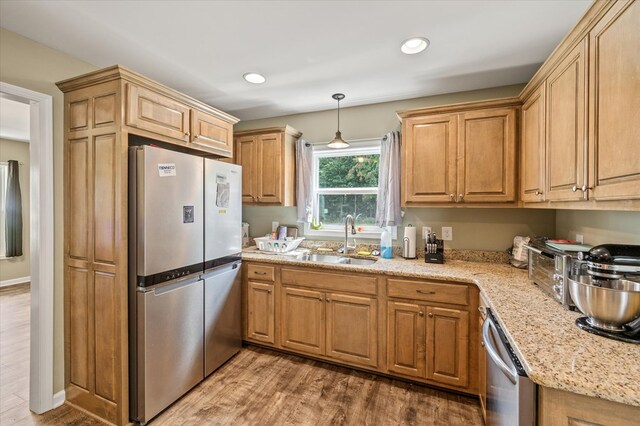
x,y
13,221
388,208
304,181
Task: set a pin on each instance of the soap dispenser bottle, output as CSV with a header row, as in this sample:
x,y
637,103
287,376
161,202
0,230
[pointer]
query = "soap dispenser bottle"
x,y
386,249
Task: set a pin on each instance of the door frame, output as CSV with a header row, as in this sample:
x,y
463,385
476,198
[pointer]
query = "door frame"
x,y
41,396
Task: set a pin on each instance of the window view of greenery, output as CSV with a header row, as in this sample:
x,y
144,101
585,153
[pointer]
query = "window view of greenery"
x,y
359,171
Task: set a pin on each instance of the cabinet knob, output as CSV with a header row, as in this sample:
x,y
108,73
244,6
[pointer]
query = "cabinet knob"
x,y
574,188
421,313
538,193
460,197
452,196
430,314
585,188
269,291
328,300
187,133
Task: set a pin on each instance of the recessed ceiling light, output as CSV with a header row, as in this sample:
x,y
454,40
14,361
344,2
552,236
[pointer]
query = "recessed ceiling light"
x,y
414,45
254,77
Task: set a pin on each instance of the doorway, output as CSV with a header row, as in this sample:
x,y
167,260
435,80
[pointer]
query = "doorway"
x,y
37,303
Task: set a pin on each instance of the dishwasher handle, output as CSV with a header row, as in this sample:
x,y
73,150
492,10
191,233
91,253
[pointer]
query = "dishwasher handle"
x,y
512,374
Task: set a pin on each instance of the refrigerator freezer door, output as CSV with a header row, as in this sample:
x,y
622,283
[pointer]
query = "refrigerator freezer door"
x,y
170,212
170,344
222,316
223,210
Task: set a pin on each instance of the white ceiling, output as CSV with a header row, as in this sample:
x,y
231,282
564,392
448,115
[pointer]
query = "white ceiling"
x,y
308,50
14,120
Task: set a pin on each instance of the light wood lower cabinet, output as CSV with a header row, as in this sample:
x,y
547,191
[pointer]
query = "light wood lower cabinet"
x,y
302,320
261,312
428,342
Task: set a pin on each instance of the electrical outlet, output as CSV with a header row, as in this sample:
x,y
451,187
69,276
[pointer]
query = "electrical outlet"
x,y
447,233
425,231
274,226
580,238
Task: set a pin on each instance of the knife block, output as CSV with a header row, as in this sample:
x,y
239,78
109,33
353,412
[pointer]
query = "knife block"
x,y
436,256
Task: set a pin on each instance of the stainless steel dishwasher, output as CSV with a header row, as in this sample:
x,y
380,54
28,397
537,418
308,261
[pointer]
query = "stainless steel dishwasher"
x,y
169,345
222,315
511,395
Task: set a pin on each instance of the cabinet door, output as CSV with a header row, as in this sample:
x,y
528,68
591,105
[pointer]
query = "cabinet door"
x,y
614,116
211,133
487,155
532,159
151,111
448,346
261,312
566,121
352,329
302,320
246,156
429,159
270,171
406,339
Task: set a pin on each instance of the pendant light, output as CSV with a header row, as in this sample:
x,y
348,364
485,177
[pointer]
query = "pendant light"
x,y
338,142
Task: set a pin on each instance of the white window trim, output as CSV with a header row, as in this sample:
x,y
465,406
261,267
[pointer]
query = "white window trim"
x,y
362,146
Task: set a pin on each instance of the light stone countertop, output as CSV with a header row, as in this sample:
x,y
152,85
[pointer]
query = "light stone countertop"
x,y
553,350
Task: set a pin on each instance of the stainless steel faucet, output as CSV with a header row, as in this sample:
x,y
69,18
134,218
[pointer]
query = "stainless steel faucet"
x,y
349,221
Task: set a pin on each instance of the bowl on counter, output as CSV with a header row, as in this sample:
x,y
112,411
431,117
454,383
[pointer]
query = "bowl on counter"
x,y
608,304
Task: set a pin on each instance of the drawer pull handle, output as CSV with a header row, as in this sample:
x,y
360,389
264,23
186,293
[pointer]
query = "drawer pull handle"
x,y
328,300
430,314
425,292
421,313
269,291
259,273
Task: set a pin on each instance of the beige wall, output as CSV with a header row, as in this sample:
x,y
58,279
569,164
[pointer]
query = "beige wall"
x,y
599,227
18,267
31,65
486,229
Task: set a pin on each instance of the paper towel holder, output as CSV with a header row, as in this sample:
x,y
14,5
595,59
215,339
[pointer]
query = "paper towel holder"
x,y
406,250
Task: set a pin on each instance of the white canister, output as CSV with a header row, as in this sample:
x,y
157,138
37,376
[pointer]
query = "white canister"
x,y
409,242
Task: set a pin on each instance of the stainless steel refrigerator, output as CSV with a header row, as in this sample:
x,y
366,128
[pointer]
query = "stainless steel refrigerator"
x,y
222,261
184,266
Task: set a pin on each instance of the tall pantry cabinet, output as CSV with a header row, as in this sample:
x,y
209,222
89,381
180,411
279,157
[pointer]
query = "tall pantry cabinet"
x,y
103,110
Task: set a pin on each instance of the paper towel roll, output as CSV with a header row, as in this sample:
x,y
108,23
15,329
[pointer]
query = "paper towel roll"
x,y
409,242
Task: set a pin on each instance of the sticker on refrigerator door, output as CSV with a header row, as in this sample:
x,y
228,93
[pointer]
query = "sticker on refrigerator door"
x,y
222,192
166,169
188,215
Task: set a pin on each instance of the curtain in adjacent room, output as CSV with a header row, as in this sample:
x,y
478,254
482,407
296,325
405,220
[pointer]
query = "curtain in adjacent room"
x,y
304,184
388,208
13,221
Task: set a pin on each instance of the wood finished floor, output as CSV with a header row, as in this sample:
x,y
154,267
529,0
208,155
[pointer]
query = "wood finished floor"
x,y
257,387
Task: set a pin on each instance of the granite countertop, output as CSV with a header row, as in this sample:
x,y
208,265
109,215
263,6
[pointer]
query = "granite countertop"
x,y
553,350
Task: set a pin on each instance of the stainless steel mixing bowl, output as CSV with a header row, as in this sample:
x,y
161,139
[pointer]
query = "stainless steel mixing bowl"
x,y
609,304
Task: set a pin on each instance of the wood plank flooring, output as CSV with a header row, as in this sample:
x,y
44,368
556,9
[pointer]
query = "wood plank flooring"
x,y
257,387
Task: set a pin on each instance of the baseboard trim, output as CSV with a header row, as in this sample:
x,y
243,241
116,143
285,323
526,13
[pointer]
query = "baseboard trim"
x,y
58,398
15,281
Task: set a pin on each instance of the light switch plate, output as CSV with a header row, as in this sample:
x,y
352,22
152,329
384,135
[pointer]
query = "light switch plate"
x,y
425,232
274,226
447,233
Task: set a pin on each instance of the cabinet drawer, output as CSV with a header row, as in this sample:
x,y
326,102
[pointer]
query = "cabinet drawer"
x,y
333,281
457,294
261,272
151,111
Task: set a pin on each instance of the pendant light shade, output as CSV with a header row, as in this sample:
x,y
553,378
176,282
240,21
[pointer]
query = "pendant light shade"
x,y
338,142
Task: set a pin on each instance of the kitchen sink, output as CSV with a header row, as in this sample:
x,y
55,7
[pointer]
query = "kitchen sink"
x,y
327,258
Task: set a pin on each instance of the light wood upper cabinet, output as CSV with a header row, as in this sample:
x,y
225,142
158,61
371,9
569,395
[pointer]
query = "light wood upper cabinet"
x,y
303,320
267,157
487,155
269,179
211,133
151,111
448,346
463,153
566,127
247,157
532,143
614,95
406,339
261,312
352,328
429,159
